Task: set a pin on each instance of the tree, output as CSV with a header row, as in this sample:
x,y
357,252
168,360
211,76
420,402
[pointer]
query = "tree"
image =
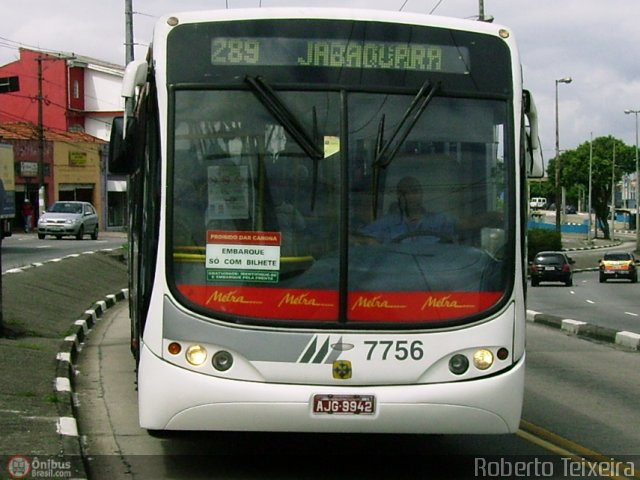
x,y
542,188
574,170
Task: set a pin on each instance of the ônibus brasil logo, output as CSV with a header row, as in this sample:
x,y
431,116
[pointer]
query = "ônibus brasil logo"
x,y
19,467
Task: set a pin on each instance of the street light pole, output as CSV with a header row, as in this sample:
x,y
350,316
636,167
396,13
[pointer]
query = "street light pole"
x,y
558,189
590,173
635,112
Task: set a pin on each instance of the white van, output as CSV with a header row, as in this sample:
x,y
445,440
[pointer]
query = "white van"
x,y
538,202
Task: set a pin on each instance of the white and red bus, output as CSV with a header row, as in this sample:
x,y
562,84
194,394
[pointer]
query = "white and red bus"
x,y
327,222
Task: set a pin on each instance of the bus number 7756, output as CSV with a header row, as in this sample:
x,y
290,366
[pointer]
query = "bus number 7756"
x,y
400,349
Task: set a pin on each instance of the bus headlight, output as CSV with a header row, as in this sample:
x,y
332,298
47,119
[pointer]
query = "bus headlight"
x,y
483,359
458,364
222,361
196,355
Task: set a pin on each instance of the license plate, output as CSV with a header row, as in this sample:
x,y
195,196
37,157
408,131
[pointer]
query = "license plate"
x,y
344,404
549,268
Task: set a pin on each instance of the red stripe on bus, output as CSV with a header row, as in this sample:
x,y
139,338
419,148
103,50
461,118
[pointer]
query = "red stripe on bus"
x,y
322,305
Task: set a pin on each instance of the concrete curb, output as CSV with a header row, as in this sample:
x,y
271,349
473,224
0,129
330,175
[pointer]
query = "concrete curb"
x,y
579,328
577,249
66,357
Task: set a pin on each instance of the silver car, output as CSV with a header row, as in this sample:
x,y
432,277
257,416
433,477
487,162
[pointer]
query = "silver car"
x,y
69,218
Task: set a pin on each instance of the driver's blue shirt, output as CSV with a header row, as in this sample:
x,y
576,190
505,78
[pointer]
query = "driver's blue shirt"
x,y
430,228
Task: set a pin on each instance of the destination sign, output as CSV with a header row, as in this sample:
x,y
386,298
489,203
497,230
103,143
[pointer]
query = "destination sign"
x,y
337,53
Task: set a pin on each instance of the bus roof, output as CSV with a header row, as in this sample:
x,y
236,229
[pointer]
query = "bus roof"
x,y
337,14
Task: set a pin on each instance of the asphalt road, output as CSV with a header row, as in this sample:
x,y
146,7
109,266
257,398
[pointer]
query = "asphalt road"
x,y
22,249
579,404
613,304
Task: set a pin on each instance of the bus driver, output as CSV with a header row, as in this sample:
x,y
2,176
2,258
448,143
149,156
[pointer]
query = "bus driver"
x,y
411,216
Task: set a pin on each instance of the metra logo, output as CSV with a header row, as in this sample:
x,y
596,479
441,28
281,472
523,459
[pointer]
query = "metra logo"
x,y
303,299
321,349
443,302
228,297
374,302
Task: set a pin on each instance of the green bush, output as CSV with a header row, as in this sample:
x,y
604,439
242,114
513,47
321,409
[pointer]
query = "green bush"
x,y
539,239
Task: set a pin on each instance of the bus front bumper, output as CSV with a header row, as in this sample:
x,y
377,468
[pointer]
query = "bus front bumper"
x,y
171,398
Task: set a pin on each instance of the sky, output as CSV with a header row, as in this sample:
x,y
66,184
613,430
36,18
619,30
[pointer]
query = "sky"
x,y
595,42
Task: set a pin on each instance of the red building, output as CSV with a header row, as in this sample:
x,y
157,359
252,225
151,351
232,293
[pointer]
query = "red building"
x,y
63,93
73,88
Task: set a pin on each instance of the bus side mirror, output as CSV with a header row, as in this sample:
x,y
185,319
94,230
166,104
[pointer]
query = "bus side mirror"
x,y
121,148
534,162
121,153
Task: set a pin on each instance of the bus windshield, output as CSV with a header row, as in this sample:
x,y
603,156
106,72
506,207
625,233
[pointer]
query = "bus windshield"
x,y
352,203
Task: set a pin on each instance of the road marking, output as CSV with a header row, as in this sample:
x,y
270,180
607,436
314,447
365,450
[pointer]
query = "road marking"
x,y
631,313
569,449
591,302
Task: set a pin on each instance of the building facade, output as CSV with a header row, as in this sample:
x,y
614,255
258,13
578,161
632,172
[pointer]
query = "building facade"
x,y
73,99
55,166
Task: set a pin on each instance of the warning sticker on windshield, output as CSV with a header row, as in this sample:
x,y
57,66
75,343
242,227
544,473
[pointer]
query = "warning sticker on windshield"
x,y
243,256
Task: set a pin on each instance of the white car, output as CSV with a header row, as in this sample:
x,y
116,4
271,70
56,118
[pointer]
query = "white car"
x,y
69,218
537,202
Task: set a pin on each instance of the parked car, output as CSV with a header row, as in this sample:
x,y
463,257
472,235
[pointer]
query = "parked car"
x,y
551,267
69,218
618,265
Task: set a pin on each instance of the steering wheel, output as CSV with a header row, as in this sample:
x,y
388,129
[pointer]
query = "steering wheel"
x,y
442,236
358,238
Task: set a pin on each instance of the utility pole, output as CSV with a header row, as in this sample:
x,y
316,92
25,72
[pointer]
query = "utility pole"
x,y
42,197
590,185
40,98
637,189
613,192
481,16
558,186
129,50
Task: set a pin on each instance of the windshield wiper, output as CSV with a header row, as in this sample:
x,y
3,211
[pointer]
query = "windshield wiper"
x,y
379,145
274,104
419,103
